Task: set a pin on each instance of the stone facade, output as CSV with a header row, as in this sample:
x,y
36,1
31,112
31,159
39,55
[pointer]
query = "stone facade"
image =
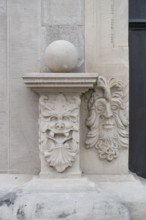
x,y
26,31
27,28
106,52
66,126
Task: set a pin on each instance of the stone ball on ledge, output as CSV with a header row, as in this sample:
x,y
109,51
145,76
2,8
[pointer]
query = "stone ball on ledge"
x,y
61,56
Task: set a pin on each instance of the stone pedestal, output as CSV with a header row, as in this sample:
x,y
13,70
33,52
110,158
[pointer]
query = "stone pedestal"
x,y
59,119
68,199
70,196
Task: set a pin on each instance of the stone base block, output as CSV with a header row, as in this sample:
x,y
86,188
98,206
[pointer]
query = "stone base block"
x,y
54,199
129,189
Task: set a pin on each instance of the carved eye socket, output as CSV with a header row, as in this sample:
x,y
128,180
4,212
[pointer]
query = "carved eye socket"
x,y
114,107
54,118
73,118
65,118
100,107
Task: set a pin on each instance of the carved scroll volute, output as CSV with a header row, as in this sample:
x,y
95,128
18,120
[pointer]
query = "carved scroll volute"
x,y
59,130
108,118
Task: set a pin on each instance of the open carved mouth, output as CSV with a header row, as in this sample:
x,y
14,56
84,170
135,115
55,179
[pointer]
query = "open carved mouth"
x,y
60,134
108,126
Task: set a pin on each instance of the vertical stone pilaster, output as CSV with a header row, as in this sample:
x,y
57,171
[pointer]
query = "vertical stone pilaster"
x,y
106,52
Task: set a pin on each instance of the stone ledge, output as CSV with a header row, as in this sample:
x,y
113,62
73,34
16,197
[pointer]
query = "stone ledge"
x,y
54,199
56,82
128,190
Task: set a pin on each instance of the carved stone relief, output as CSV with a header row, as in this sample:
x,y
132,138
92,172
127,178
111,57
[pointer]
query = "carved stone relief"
x,y
108,118
59,130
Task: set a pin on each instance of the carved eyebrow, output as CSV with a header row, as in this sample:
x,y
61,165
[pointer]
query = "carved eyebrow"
x,y
70,115
101,100
48,115
117,94
53,115
70,111
116,101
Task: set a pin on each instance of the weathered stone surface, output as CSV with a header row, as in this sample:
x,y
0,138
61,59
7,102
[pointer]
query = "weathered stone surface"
x,y
62,199
95,165
59,122
108,119
23,152
27,28
106,35
63,12
106,52
19,42
63,20
4,105
3,7
23,55
73,34
59,119
131,190
23,45
18,8
61,56
124,189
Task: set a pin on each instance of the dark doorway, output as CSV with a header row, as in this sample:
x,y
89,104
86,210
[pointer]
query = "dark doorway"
x,y
137,56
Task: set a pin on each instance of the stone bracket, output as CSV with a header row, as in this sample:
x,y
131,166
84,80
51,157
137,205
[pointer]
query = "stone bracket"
x,y
59,119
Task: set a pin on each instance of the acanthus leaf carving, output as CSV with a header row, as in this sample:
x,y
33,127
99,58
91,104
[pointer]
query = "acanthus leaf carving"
x,y
108,118
59,130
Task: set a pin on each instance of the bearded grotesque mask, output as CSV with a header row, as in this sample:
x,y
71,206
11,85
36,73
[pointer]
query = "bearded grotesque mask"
x,y
59,130
108,119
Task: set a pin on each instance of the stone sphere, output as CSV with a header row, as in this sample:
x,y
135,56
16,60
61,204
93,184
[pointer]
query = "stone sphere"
x,y
61,56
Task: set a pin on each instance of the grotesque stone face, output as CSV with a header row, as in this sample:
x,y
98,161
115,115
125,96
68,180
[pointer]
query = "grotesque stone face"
x,y
60,125
107,121
59,130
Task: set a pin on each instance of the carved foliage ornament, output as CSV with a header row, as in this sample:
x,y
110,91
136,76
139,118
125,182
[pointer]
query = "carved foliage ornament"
x,y
108,118
59,130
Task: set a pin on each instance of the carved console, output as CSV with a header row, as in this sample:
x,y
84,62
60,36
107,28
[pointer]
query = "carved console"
x,y
59,118
59,130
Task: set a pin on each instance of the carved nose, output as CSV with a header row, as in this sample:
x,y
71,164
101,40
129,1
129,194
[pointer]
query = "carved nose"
x,y
108,112
60,126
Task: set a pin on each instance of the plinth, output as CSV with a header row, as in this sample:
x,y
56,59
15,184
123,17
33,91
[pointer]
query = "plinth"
x,y
59,119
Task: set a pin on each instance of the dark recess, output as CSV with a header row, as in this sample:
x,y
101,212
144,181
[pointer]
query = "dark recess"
x,y
137,58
